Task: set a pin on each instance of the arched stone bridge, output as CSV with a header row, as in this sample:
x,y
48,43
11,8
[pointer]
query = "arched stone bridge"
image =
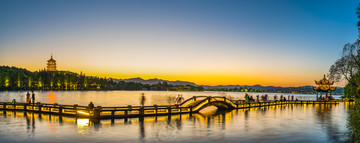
x,y
200,102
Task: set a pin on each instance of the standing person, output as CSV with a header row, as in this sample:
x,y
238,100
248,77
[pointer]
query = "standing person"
x,y
33,97
246,98
266,97
177,100
288,98
13,101
143,99
181,98
257,98
292,97
28,100
91,106
275,98
281,97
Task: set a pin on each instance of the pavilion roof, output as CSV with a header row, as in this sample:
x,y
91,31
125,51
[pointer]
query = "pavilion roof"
x,y
324,88
324,81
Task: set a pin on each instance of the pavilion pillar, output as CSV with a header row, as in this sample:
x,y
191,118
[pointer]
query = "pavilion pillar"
x,y
320,95
326,95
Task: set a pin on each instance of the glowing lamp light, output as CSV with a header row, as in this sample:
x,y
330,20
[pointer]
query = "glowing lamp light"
x,y
7,82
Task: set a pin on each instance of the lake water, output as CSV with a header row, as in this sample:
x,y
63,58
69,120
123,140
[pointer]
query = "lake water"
x,y
287,123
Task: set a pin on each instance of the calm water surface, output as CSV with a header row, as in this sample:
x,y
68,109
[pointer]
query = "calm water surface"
x,y
288,123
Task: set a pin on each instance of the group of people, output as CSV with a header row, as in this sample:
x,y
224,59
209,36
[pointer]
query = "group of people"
x,y
179,99
249,98
283,98
32,99
326,98
29,99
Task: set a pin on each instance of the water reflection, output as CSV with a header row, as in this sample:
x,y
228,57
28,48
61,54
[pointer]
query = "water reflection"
x,y
312,123
51,98
327,120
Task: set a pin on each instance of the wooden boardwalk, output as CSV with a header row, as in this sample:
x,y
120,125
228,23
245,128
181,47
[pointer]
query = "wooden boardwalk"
x,y
192,105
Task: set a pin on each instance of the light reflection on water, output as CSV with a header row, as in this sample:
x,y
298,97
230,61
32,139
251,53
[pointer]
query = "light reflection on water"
x,y
287,123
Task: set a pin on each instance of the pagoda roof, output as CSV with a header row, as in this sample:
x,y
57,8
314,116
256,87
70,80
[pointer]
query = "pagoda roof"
x,y
51,59
324,88
324,81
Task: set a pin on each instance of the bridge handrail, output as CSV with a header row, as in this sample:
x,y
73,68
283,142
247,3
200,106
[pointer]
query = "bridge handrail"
x,y
226,100
195,106
191,99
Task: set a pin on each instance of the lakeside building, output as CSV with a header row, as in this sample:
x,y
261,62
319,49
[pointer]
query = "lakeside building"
x,y
51,64
324,87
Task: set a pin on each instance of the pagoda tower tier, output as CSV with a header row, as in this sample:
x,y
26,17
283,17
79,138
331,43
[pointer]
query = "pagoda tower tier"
x,y
51,64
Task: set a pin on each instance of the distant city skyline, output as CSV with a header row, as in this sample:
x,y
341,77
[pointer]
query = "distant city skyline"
x,y
282,43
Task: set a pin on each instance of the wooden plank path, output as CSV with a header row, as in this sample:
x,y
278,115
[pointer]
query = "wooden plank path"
x,y
192,105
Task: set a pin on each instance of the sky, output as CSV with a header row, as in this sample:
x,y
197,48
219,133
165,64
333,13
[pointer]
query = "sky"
x,y
208,42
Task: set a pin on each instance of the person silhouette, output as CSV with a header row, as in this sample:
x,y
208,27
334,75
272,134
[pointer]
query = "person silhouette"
x,y
143,99
33,97
28,100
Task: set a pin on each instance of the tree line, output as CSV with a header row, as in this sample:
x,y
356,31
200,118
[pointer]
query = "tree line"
x,y
13,78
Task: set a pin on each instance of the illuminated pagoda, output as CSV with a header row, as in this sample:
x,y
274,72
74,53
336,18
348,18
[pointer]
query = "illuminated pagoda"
x,y
323,85
51,64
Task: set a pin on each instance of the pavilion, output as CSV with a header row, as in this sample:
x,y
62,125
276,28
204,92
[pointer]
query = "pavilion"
x,y
323,86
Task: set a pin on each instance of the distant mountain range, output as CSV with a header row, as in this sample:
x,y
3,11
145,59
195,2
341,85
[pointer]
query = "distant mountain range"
x,y
155,81
301,89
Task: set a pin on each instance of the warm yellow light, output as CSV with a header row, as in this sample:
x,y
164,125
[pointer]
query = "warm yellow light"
x,y
83,122
7,82
84,113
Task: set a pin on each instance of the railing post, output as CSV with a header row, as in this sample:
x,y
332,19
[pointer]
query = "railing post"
x,y
113,113
55,105
25,107
194,97
142,110
39,105
126,113
75,108
209,99
4,105
60,109
237,105
156,108
224,99
97,112
169,109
